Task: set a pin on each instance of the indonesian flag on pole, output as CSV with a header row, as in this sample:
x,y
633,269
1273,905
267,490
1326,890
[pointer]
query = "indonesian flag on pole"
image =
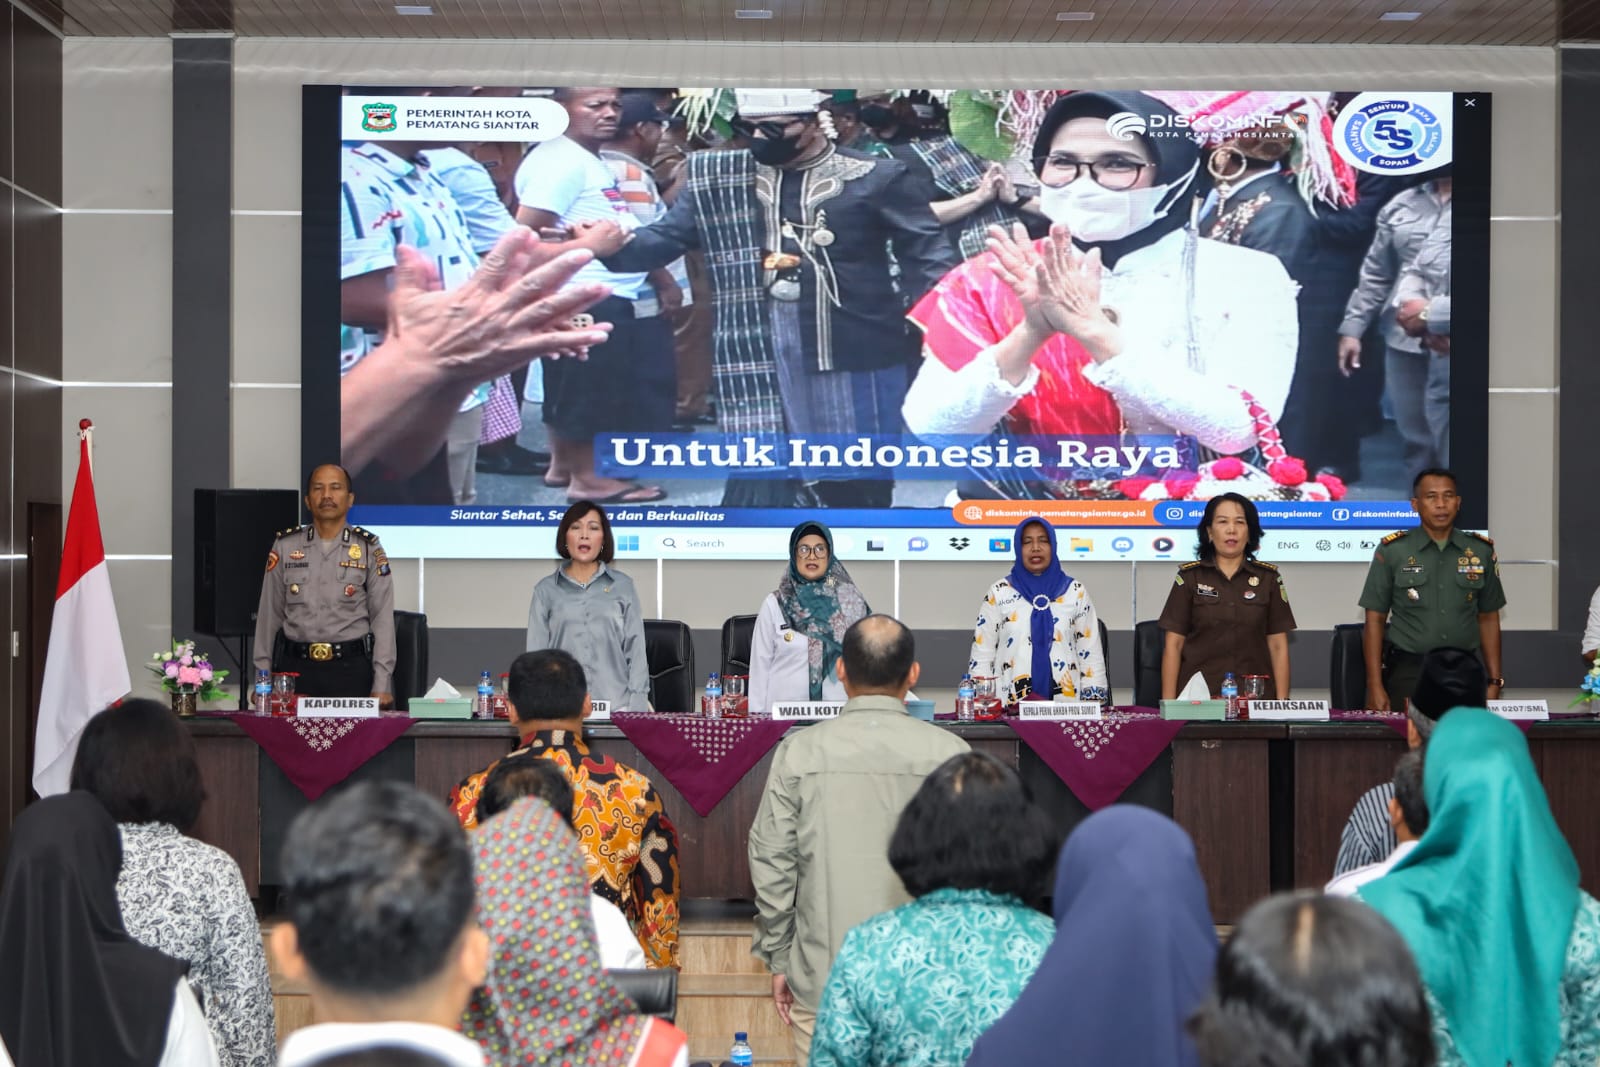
x,y
85,668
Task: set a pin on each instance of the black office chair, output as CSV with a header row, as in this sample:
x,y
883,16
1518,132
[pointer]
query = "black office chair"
x,y
1148,641
1347,668
737,633
669,656
410,657
653,991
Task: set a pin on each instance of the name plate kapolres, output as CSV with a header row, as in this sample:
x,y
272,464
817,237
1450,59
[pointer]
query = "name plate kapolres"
x,y
1521,710
337,708
1061,710
792,710
600,709
1289,710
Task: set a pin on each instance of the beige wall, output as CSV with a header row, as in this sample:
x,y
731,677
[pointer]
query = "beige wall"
x,y
118,138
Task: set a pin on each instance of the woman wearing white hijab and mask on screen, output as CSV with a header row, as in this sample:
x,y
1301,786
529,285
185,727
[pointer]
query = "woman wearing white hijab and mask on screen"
x,y
1122,319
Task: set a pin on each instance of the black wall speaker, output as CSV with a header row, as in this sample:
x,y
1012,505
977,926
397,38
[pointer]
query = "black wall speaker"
x,y
233,531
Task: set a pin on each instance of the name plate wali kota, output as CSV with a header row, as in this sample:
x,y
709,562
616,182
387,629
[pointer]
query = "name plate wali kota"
x,y
1061,710
1521,710
1289,710
600,709
337,708
795,710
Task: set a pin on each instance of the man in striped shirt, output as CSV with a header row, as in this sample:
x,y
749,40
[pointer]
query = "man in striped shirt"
x,y
1450,678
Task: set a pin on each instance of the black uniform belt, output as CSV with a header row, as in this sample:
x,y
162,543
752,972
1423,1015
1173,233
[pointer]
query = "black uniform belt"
x,y
322,651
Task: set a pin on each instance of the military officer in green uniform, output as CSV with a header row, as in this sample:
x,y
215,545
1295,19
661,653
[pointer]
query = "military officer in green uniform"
x,y
1432,586
329,591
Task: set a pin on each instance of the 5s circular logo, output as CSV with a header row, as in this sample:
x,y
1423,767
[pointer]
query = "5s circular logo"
x,y
1396,133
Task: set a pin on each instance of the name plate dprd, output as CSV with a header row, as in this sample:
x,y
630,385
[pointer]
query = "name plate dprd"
x,y
794,710
1289,710
337,708
1521,710
1061,710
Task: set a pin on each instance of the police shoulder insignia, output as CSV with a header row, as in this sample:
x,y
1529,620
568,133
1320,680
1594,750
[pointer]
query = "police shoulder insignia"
x,y
286,533
370,537
272,559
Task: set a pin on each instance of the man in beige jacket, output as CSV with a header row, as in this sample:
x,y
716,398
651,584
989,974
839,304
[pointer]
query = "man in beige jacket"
x,y
819,846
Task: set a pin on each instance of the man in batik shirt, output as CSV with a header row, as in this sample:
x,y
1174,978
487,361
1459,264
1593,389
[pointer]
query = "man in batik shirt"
x,y
629,844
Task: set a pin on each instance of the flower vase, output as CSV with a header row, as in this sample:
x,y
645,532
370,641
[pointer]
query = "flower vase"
x,y
184,702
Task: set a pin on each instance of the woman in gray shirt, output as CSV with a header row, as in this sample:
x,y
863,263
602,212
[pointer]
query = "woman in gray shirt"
x,y
591,611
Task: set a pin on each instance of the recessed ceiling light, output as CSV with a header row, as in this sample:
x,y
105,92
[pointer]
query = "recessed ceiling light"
x,y
752,13
1074,16
413,9
1400,16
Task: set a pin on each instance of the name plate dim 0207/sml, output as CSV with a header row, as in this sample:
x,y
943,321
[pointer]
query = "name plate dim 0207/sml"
x,y
1061,710
337,708
1521,710
806,709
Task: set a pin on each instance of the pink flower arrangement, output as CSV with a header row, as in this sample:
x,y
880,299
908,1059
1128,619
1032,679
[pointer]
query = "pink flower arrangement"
x,y
1287,471
1334,484
1180,484
183,669
1133,488
1227,468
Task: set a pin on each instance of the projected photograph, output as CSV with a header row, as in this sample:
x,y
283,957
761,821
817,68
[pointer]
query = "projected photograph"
x,y
922,306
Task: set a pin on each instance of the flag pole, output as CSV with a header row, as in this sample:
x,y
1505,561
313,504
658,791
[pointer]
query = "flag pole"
x,y
86,434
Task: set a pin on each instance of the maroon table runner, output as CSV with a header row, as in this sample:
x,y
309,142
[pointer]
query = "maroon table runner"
x,y
702,758
1098,761
318,754
1395,720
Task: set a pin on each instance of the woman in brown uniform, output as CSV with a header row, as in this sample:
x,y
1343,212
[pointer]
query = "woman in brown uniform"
x,y
1227,611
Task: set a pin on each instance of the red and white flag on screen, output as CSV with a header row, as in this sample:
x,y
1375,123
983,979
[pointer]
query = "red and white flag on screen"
x,y
85,668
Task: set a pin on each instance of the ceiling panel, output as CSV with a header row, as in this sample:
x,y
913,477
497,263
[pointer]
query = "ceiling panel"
x,y
1441,22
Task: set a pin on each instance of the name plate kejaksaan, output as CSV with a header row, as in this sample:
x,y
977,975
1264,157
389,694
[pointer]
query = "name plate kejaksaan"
x,y
600,710
1521,710
337,708
797,710
1061,710
1289,710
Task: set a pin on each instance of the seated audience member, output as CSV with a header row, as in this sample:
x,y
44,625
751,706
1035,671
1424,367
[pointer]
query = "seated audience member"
x,y
629,844
528,776
547,1001
1314,981
177,894
379,924
1508,945
75,989
1408,815
819,847
914,987
1448,678
1132,957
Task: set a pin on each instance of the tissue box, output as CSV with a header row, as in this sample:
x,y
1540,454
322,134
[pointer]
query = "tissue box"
x,y
452,708
1195,710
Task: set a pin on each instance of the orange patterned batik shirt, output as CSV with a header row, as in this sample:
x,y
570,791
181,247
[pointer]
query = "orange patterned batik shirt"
x,y
629,845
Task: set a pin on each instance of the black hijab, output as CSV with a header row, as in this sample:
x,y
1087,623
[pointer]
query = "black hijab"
x,y
75,988
1174,157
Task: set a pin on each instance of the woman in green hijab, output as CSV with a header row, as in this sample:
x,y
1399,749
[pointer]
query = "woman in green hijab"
x,y
1508,945
800,631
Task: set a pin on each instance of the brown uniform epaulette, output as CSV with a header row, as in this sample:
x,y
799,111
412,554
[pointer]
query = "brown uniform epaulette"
x,y
1394,536
1263,563
1191,563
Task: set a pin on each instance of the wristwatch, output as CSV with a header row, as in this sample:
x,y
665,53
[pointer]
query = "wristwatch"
x,y
1501,682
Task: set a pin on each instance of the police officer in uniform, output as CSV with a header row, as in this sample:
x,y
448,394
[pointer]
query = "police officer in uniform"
x,y
1430,587
1227,611
327,602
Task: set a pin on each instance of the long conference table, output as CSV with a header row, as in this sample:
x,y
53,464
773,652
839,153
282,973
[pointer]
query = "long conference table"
x,y
1264,802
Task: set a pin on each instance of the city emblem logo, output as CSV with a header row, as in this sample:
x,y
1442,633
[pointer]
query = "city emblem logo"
x,y
378,118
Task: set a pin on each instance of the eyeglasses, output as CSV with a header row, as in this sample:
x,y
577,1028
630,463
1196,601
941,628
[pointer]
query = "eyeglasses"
x,y
810,551
1112,172
768,131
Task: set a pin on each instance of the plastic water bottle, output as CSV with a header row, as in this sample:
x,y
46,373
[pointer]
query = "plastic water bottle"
x,y
263,698
966,694
1230,693
741,1055
713,700
484,708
